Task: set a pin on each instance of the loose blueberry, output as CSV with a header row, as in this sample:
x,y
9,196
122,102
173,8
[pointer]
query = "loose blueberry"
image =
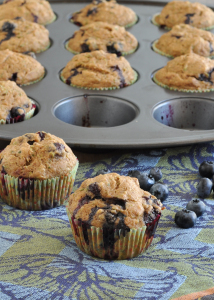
x,y
134,173
197,206
206,169
156,173
160,191
17,111
146,181
204,187
102,172
185,218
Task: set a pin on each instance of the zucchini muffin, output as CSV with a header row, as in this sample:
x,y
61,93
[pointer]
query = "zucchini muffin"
x,y
111,217
38,11
187,73
105,11
23,36
183,39
37,171
185,12
102,36
21,68
15,106
98,70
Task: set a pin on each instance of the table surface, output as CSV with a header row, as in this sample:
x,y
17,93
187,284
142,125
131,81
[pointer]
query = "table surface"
x,y
40,260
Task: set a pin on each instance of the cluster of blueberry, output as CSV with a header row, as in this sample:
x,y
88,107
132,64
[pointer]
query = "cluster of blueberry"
x,y
148,182
186,218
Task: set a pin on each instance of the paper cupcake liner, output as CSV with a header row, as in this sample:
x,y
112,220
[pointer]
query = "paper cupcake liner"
x,y
34,194
165,54
181,90
169,28
101,88
122,53
21,118
32,82
112,243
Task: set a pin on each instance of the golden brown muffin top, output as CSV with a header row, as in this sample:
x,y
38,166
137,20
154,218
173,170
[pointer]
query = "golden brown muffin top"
x,y
98,69
184,39
23,36
189,71
12,98
18,67
102,36
38,155
38,11
178,12
115,200
105,11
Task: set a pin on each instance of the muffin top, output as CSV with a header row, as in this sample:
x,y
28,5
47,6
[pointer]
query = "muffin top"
x,y
112,199
21,68
98,70
105,11
38,155
38,11
13,100
189,72
102,36
185,12
183,39
23,36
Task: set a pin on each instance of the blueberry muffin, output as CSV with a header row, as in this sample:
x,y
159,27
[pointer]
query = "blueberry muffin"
x,y
188,73
185,12
98,70
105,11
37,170
15,106
183,39
23,36
21,68
112,217
102,36
38,11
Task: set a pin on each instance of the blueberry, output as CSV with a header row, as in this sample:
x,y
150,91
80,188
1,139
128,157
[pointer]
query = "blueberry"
x,y
17,111
185,218
7,26
197,206
206,169
134,173
146,181
204,187
102,172
160,191
156,173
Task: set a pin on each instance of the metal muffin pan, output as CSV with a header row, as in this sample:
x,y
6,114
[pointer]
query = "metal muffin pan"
x,y
141,115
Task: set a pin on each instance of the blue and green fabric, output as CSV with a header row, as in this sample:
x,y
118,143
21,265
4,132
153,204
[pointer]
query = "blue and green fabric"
x,y
40,260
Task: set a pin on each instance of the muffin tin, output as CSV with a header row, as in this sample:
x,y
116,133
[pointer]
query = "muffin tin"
x,y
141,115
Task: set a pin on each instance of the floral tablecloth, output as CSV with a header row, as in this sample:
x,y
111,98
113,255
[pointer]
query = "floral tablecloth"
x,y
40,260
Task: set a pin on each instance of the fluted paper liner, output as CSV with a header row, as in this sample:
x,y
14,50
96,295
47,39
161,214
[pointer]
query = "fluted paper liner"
x,y
34,194
127,244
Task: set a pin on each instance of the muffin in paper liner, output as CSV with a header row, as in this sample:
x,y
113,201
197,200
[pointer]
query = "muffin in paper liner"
x,y
189,73
34,194
98,70
20,118
111,217
112,243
